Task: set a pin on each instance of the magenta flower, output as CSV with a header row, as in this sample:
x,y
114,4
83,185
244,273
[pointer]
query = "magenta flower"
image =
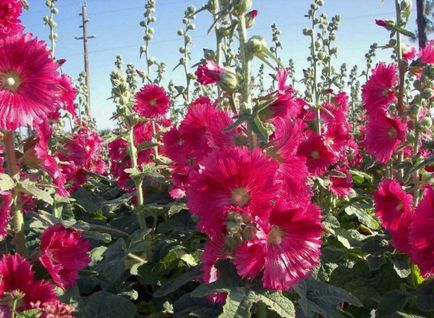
x,y
209,73
17,275
232,179
318,155
151,101
383,136
64,252
378,92
28,81
422,234
10,23
286,249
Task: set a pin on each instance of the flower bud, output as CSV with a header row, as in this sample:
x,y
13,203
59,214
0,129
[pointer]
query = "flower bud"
x,y
242,6
256,45
251,17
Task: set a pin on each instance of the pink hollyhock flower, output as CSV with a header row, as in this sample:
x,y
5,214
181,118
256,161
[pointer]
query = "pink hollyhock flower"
x,y
29,81
319,157
17,275
5,208
378,92
64,252
426,55
85,150
214,250
387,24
410,54
209,73
68,93
392,204
422,234
286,249
383,136
286,137
54,309
10,23
341,186
292,174
49,162
231,179
202,130
151,101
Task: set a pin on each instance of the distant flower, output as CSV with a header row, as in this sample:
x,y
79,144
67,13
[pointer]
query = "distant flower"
x,y
209,73
426,55
17,276
318,156
422,234
232,179
286,249
48,161
341,185
68,92
383,136
410,54
202,129
392,204
28,81
151,101
64,252
10,23
378,92
54,309
387,24
5,208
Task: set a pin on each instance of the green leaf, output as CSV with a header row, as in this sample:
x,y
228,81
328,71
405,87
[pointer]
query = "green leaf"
x,y
424,294
6,182
401,265
112,267
106,305
322,298
177,283
32,313
31,188
392,302
423,164
277,302
238,303
405,315
363,216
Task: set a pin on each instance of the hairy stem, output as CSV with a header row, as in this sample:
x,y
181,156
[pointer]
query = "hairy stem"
x,y
17,212
138,181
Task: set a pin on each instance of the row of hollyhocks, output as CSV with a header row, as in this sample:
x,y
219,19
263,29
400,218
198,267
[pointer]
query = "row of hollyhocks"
x,y
36,95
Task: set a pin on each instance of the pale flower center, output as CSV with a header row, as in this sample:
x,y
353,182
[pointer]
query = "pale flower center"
x,y
153,102
11,81
392,133
314,154
240,197
275,236
399,206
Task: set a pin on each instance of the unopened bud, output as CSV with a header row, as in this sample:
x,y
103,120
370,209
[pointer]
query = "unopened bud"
x,y
256,45
242,6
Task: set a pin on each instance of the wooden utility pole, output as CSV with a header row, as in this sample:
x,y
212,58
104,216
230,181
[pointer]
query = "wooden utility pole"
x,y
421,23
85,39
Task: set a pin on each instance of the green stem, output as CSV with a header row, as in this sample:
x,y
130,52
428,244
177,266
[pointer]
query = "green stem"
x,y
138,181
261,310
246,64
314,83
154,140
17,213
400,104
218,39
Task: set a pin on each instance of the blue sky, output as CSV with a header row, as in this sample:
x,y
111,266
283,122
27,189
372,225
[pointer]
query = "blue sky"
x,y
116,25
